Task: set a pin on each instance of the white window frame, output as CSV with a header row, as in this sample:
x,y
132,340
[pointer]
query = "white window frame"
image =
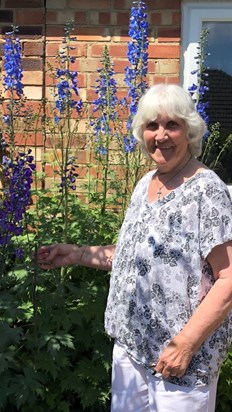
x,y
193,14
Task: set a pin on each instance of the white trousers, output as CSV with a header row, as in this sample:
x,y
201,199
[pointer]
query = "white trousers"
x,y
135,389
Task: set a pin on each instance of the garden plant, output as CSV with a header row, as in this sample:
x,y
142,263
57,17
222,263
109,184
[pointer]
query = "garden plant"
x,y
54,354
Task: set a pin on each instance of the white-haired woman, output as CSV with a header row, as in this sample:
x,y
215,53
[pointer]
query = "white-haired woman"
x,y
170,297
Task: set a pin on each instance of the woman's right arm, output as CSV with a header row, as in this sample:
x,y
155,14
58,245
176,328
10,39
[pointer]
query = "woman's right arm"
x,y
63,254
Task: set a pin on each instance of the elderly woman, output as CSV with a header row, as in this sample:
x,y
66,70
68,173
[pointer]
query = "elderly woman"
x,y
169,303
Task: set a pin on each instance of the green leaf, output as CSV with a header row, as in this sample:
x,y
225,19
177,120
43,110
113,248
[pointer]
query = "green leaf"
x,y
9,335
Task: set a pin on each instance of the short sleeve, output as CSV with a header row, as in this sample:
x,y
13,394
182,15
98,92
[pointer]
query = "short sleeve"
x,y
215,218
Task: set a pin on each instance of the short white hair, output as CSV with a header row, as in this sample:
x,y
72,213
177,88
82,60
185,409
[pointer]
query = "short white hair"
x,y
173,101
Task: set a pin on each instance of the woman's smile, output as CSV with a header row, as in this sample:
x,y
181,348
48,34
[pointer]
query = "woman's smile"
x,y
167,142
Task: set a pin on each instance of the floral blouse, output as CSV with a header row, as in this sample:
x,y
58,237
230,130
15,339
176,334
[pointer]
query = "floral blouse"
x,y
160,273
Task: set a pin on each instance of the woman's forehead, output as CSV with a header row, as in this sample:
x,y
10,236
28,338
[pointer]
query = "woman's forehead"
x,y
162,116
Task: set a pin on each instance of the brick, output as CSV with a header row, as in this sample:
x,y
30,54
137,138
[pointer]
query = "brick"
x,y
119,65
88,4
104,18
82,156
163,51
34,107
118,50
32,64
30,139
157,79
7,95
32,32
93,18
92,81
91,94
120,35
79,49
82,80
166,18
51,16
50,169
49,93
1,49
54,32
93,34
151,66
33,78
6,16
123,19
33,49
49,182
173,80
24,3
176,18
37,153
88,65
80,17
83,172
165,4
51,62
96,50
165,79
49,81
122,4
168,67
155,18
120,79
53,4
33,92
29,16
166,34
63,16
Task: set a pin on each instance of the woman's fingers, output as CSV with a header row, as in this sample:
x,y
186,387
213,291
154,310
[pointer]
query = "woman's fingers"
x,y
45,254
175,358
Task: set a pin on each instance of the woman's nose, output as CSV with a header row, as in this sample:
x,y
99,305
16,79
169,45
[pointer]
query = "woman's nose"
x,y
161,133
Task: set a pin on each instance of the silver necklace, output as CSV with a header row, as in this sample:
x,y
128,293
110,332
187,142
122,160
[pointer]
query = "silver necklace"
x,y
159,192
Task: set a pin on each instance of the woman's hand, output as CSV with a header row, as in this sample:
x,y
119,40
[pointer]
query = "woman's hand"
x,y
63,254
175,358
57,255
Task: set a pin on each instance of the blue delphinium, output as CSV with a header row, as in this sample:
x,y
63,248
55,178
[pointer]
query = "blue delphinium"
x,y
17,176
67,101
197,91
105,105
68,179
135,74
67,91
16,168
13,63
12,82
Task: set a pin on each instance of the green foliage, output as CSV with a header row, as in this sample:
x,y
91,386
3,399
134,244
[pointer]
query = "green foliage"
x,y
224,393
55,355
217,150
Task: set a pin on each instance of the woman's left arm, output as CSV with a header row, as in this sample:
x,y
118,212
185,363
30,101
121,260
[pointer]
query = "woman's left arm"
x,y
207,317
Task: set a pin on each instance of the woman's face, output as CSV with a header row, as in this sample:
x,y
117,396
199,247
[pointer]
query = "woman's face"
x,y
166,141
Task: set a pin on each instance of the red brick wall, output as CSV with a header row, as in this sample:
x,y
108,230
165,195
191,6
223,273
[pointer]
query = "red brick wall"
x,y
98,23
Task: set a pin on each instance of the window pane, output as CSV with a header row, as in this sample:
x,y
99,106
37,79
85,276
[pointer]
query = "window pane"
x,y
219,62
219,45
219,96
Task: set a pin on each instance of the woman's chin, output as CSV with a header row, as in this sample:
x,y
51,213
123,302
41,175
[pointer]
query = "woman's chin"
x,y
163,159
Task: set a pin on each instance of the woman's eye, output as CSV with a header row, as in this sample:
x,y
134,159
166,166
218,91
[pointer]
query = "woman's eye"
x,y
172,124
151,126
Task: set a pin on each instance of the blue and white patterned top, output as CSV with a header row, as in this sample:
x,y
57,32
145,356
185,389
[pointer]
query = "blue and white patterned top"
x,y
160,273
